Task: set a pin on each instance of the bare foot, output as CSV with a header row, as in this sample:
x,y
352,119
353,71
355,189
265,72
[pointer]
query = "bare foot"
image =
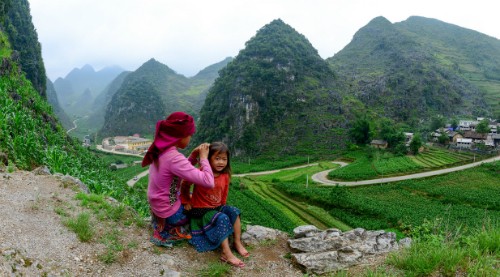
x,y
241,250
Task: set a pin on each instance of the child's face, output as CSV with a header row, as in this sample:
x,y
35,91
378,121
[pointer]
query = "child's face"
x,y
218,161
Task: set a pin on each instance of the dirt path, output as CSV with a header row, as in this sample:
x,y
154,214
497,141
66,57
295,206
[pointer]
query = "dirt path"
x,y
35,242
321,177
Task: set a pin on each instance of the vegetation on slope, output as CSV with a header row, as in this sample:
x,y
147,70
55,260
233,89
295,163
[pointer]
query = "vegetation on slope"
x,y
407,75
277,97
15,21
31,136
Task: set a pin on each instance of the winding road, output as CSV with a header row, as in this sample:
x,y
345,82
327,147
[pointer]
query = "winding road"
x,y
321,177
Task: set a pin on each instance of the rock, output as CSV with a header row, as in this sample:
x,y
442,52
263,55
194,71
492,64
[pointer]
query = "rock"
x,y
305,231
331,250
70,180
4,159
42,170
256,234
405,242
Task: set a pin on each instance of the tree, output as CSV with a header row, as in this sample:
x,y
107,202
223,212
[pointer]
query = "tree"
x,y
415,144
361,132
443,138
483,127
393,135
437,122
454,124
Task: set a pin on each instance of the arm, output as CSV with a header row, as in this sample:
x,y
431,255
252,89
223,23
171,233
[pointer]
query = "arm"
x,y
184,169
193,157
225,191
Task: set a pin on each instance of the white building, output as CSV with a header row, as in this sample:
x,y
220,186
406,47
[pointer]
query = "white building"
x,y
464,143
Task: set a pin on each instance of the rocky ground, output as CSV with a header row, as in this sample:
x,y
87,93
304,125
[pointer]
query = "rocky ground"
x,y
35,242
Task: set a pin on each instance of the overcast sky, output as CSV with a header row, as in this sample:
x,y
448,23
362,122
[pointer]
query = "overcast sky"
x,y
189,35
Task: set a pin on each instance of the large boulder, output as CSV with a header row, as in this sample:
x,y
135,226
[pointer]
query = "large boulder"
x,y
330,250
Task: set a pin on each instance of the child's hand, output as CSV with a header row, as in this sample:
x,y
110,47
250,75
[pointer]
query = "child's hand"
x,y
187,207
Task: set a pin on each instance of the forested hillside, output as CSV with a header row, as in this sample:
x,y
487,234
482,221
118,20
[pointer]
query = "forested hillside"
x,y
15,21
78,90
421,67
152,92
278,96
56,106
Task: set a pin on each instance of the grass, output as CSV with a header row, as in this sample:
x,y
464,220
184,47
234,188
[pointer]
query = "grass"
x,y
447,252
81,225
215,269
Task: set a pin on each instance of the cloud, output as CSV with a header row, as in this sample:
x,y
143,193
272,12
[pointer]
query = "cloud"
x,y
189,35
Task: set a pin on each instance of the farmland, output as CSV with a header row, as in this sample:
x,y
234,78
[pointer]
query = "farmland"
x,y
372,164
464,199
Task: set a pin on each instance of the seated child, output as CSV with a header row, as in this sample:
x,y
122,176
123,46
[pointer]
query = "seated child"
x,y
212,221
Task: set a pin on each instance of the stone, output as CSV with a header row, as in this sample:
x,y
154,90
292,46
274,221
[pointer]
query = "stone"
x,y
256,234
70,180
305,231
42,170
318,263
320,252
405,242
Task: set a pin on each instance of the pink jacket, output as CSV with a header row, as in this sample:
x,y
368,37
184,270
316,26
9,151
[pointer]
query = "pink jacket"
x,y
165,175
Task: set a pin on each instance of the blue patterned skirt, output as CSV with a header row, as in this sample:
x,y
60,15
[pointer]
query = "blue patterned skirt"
x,y
209,231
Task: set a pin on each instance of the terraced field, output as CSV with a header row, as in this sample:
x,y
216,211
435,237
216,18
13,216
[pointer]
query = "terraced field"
x,y
384,165
433,158
300,213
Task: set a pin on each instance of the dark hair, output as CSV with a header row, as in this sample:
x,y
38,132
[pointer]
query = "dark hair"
x,y
220,147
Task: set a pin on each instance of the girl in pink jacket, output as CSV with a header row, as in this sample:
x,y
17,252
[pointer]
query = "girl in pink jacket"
x,y
167,168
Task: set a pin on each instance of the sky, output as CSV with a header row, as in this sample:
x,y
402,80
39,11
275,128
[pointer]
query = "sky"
x,y
189,35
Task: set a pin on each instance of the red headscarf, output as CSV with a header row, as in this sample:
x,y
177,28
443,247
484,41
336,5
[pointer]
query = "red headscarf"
x,y
177,126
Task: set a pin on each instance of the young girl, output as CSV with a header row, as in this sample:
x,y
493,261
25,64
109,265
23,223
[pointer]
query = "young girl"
x,y
168,168
212,222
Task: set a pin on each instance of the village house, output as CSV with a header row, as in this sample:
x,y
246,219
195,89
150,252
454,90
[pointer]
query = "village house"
x,y
496,140
408,138
453,136
378,143
476,137
464,143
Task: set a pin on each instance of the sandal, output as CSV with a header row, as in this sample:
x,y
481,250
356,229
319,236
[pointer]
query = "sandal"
x,y
238,265
244,254
177,234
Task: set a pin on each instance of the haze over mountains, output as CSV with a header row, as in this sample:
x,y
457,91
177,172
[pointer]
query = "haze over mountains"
x,y
279,96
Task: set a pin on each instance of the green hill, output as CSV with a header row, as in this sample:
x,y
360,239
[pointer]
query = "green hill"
x,y
278,96
56,106
420,67
15,21
151,93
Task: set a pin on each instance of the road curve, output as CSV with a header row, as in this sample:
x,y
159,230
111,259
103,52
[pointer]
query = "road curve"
x,y
272,171
321,177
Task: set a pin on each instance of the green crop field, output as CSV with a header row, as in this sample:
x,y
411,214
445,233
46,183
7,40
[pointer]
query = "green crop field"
x,y
381,164
465,199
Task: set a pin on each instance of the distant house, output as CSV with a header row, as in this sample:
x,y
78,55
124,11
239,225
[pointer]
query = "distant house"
x,y
119,148
453,136
496,140
464,143
378,143
476,137
408,138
